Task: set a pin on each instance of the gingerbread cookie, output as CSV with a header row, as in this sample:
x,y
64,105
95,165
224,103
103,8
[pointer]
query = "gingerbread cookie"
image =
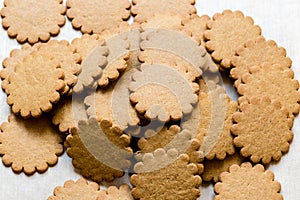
x,y
29,145
260,81
39,80
256,52
16,57
167,98
174,173
114,193
163,21
247,182
263,130
44,20
97,16
143,10
226,32
81,189
95,161
214,168
68,61
196,25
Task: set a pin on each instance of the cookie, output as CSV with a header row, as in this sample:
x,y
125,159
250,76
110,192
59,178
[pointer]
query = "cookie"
x,y
247,182
39,80
163,21
196,25
81,189
226,32
68,61
166,99
97,16
44,20
173,172
256,52
16,57
260,81
262,130
93,52
114,193
94,161
29,145
214,168
143,10
178,44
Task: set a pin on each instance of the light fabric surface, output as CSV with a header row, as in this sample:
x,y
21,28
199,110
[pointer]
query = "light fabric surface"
x,y
279,21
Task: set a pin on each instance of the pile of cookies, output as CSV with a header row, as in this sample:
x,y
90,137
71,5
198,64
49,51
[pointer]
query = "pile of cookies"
x,y
146,98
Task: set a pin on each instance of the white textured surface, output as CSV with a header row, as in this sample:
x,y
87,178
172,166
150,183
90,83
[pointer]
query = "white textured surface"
x,y
279,21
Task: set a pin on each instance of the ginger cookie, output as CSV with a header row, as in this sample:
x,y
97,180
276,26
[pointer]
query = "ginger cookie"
x,y
29,145
68,61
16,57
260,81
81,189
247,182
256,52
39,80
196,25
226,32
97,16
214,168
163,21
114,193
143,10
262,130
165,98
93,52
44,20
91,158
173,172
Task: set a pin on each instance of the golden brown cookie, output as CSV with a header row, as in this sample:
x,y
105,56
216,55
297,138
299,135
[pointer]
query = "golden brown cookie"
x,y
93,147
263,130
226,32
247,182
196,25
163,21
114,193
96,16
68,61
44,20
79,190
177,178
29,145
256,52
161,92
16,57
143,9
214,168
272,81
39,80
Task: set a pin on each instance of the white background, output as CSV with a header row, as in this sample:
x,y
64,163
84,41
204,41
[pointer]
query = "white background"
x,y
279,21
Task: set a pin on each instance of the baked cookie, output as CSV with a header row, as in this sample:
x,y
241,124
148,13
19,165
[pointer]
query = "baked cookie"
x,y
44,20
114,193
163,21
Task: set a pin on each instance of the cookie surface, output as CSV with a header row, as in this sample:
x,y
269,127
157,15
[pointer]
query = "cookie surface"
x,y
163,21
247,182
114,193
260,81
81,189
226,32
97,16
144,10
178,178
257,52
263,130
166,98
29,145
39,80
44,20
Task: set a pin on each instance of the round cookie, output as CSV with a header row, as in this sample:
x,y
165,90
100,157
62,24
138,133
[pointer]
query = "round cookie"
x,y
114,193
44,20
